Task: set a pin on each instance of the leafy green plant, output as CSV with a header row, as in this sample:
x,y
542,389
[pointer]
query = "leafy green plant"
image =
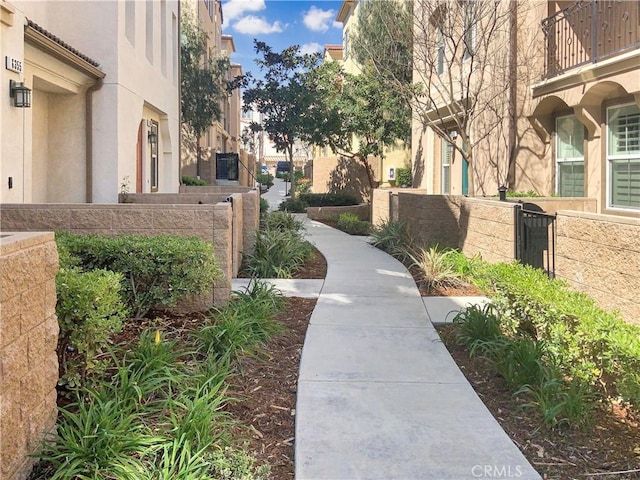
x,y
98,438
264,207
394,238
328,199
282,221
351,224
277,254
433,268
90,311
477,326
589,344
560,403
246,322
403,177
293,205
520,361
177,459
157,270
192,181
234,464
303,185
265,179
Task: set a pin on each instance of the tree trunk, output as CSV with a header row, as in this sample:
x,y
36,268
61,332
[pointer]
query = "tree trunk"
x,y
292,177
367,167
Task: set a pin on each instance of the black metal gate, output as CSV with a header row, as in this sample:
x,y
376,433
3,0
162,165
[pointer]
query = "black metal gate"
x,y
536,238
227,166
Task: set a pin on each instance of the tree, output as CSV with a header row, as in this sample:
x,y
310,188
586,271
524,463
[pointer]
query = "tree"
x,y
464,72
283,96
357,115
202,80
384,39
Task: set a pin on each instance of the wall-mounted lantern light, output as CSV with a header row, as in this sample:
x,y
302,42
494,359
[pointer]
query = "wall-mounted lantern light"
x,y
153,136
20,93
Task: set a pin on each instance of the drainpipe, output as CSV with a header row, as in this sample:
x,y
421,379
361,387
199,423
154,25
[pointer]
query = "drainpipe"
x,y
89,138
513,93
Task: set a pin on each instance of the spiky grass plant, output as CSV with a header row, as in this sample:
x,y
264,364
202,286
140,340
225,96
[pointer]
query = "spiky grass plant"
x,y
434,269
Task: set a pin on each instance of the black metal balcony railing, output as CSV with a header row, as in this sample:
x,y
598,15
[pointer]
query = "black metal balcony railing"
x,y
588,31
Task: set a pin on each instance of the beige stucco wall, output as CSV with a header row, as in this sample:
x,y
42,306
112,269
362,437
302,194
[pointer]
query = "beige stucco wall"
x,y
342,175
600,255
28,340
211,223
46,143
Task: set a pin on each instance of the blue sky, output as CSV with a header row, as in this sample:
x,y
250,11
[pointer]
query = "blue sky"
x,y
280,23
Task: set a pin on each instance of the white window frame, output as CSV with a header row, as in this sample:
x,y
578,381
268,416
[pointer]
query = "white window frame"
x,y
558,161
445,146
470,28
440,51
610,158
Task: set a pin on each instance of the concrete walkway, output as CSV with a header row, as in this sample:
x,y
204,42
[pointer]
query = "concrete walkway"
x,y
379,396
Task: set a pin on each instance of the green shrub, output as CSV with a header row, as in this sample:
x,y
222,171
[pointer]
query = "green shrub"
x,y
476,327
351,224
265,179
157,270
520,361
328,199
90,311
589,344
192,181
394,238
277,254
560,403
293,205
282,221
403,177
303,185
264,207
247,322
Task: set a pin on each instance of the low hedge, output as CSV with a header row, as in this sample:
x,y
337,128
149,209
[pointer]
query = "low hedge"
x,y
351,224
328,199
192,181
588,343
157,270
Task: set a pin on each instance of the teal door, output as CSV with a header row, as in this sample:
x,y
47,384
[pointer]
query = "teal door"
x,y
465,177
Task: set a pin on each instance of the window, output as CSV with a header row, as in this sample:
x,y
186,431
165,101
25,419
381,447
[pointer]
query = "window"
x,y
209,6
439,53
345,41
569,157
470,28
153,148
623,156
446,154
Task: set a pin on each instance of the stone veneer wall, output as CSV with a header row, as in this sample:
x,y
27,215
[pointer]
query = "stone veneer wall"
x,y
473,225
28,340
212,223
597,254
600,255
246,212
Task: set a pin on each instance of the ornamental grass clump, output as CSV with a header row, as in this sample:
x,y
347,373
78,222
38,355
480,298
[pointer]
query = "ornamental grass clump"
x,y
280,249
158,410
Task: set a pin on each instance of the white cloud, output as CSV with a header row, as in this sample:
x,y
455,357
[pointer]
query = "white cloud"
x,y
252,25
236,8
309,48
337,25
318,20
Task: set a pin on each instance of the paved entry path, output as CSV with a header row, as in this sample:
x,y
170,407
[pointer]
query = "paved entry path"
x,y
379,396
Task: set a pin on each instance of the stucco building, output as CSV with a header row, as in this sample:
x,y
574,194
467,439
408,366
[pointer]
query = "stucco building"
x,y
568,120
104,111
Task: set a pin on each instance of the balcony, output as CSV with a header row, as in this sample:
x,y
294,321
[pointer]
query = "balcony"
x,y
588,31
